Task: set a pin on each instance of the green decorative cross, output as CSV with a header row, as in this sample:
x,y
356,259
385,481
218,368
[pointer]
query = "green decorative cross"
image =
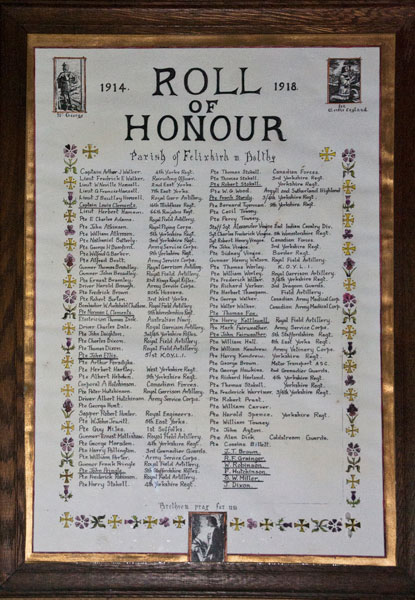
x,y
67,427
348,220
66,475
66,519
67,390
70,215
267,524
115,521
327,154
348,187
67,361
68,329
349,332
70,244
353,482
302,525
349,284
150,521
349,248
179,522
350,395
237,524
70,182
349,366
352,524
352,430
90,151
69,281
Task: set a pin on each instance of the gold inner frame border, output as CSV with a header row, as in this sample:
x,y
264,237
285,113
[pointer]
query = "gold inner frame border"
x,y
386,43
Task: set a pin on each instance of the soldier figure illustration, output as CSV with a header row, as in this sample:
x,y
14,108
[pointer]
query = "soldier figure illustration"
x,y
67,82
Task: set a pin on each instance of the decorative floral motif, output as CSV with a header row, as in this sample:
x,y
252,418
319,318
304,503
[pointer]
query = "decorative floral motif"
x,y
69,296
348,204
335,525
352,410
348,156
349,380
349,300
67,408
353,449
349,266
349,332
354,500
68,346
67,495
81,521
70,230
299,526
69,260
134,522
70,200
70,151
67,444
282,525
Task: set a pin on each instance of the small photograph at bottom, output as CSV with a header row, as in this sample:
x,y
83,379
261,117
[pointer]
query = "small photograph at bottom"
x,y
207,537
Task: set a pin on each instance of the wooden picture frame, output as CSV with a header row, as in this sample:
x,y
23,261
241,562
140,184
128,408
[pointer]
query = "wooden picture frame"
x,y
20,577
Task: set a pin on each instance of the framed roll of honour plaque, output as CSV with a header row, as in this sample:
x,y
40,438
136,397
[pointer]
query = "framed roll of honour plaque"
x,y
208,299
208,312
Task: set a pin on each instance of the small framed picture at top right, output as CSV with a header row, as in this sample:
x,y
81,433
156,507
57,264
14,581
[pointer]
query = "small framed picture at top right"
x,y
344,80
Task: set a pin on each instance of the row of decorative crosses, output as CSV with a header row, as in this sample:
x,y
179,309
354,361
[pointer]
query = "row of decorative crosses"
x,y
327,154
302,525
115,521
69,281
268,524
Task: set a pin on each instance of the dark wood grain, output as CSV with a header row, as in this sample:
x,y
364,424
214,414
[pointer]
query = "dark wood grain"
x,y
168,18
12,144
404,293
237,579
19,18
